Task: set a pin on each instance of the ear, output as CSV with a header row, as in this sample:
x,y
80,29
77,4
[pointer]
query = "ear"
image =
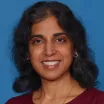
x,y
27,56
75,55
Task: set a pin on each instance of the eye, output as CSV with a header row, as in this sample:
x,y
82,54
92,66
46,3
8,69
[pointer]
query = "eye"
x,y
60,40
36,41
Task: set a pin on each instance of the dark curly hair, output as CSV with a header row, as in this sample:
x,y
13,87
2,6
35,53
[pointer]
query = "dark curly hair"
x,y
83,69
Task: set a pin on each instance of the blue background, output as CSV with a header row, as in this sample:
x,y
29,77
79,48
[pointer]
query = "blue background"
x,y
91,14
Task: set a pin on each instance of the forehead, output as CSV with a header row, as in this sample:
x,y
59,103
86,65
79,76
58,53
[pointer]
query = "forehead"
x,y
48,26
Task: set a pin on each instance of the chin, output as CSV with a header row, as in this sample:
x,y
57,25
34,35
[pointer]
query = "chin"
x,y
52,77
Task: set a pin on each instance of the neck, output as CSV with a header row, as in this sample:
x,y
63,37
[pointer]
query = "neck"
x,y
57,88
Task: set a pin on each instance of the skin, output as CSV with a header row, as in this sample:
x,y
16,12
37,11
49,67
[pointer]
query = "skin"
x,y
49,42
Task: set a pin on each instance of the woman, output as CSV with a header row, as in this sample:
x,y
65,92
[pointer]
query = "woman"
x,y
51,54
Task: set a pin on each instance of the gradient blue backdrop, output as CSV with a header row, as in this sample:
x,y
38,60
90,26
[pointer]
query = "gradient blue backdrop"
x,y
90,12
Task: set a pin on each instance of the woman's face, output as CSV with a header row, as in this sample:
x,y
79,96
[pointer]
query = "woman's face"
x,y
50,50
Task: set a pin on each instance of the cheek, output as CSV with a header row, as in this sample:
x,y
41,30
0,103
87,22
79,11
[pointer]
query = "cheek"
x,y
34,53
67,56
66,52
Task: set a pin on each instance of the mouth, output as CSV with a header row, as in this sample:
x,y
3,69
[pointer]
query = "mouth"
x,y
51,63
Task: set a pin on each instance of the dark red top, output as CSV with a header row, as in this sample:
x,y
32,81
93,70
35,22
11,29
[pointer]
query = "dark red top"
x,y
90,96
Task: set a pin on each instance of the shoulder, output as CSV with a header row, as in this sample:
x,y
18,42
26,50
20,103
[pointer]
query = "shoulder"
x,y
22,99
96,92
90,96
96,95
99,94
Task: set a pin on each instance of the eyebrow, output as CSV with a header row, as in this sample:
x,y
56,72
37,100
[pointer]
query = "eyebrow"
x,y
35,35
59,34
41,36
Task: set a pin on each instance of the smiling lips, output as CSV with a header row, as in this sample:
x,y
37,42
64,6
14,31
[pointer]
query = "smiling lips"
x,y
51,64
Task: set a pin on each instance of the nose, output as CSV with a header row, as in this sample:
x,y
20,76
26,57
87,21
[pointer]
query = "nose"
x,y
49,49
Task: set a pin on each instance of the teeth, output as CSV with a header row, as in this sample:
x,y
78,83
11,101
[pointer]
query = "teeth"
x,y
51,63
